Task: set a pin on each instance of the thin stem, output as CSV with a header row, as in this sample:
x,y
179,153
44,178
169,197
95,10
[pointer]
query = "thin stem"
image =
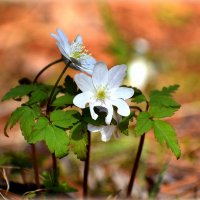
x,y
35,167
45,68
55,86
86,169
137,159
55,169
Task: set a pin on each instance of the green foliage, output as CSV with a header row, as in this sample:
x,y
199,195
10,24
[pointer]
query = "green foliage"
x,y
79,140
164,132
144,123
70,86
65,119
64,100
123,124
138,97
18,92
49,183
56,138
26,116
161,102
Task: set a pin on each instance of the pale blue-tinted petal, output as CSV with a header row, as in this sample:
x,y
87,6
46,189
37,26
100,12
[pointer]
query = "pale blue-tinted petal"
x,y
106,133
123,93
56,37
62,36
82,99
84,82
100,75
63,51
93,128
122,107
79,39
87,63
116,76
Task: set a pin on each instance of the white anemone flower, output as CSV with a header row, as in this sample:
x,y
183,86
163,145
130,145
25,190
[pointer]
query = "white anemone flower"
x,y
107,131
75,52
103,89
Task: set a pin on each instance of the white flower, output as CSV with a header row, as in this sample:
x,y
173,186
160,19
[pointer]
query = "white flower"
x,y
106,131
75,52
102,89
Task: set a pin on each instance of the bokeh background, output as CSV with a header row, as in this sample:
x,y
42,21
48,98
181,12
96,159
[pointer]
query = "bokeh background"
x,y
160,43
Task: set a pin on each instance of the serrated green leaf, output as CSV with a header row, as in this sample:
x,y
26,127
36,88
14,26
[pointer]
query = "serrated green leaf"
x,y
138,97
165,132
65,119
123,124
161,102
144,123
79,140
56,139
26,117
18,92
67,99
70,86
37,96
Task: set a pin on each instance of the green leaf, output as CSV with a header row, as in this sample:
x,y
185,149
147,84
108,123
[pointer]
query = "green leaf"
x,y
79,140
67,99
70,86
65,119
165,132
37,96
138,97
144,123
26,116
56,139
161,102
123,124
18,92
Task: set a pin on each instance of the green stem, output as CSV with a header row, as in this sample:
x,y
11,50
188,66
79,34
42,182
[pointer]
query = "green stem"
x,y
45,68
137,160
55,169
86,168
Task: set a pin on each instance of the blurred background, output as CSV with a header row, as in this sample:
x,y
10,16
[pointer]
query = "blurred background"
x,y
159,42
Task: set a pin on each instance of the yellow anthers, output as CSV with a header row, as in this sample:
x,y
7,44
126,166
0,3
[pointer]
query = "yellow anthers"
x,y
101,94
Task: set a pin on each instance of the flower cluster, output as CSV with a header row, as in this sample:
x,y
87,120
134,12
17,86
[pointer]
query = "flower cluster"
x,y
101,89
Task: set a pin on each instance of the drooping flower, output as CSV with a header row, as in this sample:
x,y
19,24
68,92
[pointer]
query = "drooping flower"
x,y
106,131
103,89
75,52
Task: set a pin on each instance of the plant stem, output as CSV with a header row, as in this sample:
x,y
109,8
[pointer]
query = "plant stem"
x,y
35,167
55,86
137,159
45,68
55,169
86,169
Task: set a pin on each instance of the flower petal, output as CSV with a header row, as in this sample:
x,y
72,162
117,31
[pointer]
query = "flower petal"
x,y
116,76
123,93
109,108
82,99
91,106
100,75
87,63
123,108
78,39
62,36
84,82
107,132
93,128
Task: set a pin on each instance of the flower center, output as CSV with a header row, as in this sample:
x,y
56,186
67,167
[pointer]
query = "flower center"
x,y
101,94
78,50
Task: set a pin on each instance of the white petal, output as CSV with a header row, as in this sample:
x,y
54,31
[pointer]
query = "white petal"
x,y
123,108
84,82
123,93
62,36
116,76
100,75
91,106
107,132
82,99
64,51
109,116
79,39
93,128
87,63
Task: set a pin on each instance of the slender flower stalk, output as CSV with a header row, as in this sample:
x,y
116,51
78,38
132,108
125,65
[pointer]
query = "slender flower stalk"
x,y
137,159
86,168
45,68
